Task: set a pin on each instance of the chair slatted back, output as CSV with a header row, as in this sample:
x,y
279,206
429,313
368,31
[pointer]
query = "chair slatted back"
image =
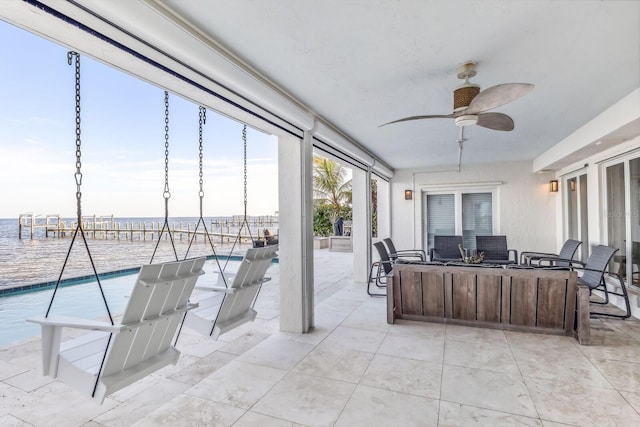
x,y
153,313
250,275
596,265
447,246
393,252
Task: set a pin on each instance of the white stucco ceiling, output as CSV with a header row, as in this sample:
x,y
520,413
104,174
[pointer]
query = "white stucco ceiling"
x,y
361,63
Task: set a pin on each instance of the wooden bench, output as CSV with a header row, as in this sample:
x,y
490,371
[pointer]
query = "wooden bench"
x,y
529,300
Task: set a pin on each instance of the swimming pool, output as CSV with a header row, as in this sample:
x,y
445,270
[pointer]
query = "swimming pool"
x,y
80,299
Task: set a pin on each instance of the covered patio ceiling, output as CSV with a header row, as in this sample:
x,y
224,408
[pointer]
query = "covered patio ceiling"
x,y
357,64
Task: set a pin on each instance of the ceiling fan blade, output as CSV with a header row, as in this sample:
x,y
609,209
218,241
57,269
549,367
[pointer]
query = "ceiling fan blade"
x,y
433,116
495,121
496,96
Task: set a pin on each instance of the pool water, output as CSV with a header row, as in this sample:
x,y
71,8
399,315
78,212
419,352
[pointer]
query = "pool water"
x,y
81,300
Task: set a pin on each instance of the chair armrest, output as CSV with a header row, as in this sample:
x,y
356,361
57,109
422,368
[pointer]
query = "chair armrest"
x,y
77,323
572,262
534,256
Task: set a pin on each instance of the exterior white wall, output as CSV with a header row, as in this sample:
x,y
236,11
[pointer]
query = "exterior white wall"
x,y
526,209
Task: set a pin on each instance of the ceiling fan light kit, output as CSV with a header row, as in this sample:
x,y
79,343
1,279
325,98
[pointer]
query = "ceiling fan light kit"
x,y
466,120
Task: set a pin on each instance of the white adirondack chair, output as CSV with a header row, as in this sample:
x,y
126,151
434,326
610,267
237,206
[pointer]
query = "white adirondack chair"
x,y
102,362
221,309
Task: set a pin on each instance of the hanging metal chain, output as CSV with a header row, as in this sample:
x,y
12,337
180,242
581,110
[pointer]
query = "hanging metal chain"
x,y
202,119
166,194
78,174
244,140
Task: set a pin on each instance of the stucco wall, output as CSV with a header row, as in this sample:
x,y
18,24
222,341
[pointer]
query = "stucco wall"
x,y
526,208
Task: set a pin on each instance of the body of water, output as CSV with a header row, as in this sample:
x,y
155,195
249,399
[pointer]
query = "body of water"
x,y
29,261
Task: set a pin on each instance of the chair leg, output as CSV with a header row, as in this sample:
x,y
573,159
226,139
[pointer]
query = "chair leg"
x,y
376,280
625,295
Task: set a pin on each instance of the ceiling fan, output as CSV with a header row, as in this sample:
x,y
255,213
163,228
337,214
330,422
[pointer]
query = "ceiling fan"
x,y
470,106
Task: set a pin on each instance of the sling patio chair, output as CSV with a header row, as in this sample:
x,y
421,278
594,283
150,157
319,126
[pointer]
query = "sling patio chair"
x,y
567,251
594,274
446,249
394,254
495,250
102,362
379,270
221,308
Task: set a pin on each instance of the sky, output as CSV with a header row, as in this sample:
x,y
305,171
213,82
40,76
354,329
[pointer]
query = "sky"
x,y
122,143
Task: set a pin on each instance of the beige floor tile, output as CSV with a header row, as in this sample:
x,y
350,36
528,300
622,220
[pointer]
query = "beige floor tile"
x,y
305,399
11,421
64,406
546,423
197,345
580,405
467,333
188,411
369,406
237,384
456,415
486,389
29,380
407,327
15,399
335,363
558,366
541,343
410,376
138,406
195,372
244,343
276,353
9,369
633,399
429,349
481,355
371,317
253,419
355,339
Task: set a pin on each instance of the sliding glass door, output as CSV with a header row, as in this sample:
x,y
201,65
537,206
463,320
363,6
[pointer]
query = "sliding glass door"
x,y
622,194
466,213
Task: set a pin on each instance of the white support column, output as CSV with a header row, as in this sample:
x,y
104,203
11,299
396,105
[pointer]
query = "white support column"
x,y
384,209
361,233
295,189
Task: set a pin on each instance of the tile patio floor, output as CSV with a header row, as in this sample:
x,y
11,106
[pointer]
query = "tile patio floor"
x,y
353,370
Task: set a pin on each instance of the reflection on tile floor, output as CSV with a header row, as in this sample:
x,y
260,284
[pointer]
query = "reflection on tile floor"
x,y
353,369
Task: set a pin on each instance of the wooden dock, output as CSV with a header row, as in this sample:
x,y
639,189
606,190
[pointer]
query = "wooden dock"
x,y
107,227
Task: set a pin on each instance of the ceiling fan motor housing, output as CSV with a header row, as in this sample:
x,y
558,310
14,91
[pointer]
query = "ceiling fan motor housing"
x,y
463,96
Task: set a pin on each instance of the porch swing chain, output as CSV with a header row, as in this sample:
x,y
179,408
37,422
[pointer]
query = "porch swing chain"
x,y
244,140
202,119
166,194
78,174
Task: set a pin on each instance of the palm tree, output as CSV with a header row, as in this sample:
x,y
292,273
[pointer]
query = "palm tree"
x,y
330,185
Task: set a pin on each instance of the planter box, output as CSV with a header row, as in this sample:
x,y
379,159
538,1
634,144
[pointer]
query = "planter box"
x,y
320,242
528,300
340,244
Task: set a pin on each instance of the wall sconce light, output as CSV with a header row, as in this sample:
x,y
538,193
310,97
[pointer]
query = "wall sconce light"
x,y
408,194
572,185
553,185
